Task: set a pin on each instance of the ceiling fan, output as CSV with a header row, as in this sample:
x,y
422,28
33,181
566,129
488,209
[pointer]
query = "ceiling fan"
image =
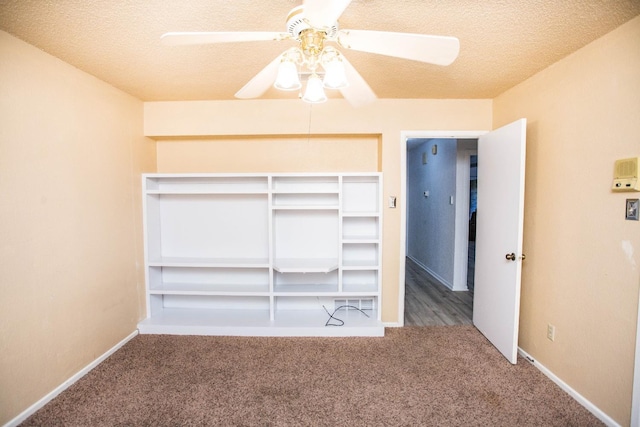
x,y
311,25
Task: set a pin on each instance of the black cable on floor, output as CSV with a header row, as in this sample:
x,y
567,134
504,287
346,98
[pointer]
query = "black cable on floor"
x,y
332,317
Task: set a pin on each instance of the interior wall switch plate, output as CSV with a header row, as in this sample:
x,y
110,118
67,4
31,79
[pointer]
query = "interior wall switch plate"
x,y
392,201
632,208
551,332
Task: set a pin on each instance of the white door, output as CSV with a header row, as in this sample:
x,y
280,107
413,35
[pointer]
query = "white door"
x,y
496,302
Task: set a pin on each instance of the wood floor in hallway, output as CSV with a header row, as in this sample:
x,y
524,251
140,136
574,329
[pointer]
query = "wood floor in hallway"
x,y
429,303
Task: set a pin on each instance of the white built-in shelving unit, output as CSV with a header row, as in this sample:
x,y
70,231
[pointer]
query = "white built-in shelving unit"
x,y
263,254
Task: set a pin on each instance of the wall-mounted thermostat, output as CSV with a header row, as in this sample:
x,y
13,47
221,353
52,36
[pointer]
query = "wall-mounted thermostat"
x,y
625,175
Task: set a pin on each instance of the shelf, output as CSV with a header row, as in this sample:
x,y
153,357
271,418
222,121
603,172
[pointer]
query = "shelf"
x,y
359,214
355,228
355,323
257,323
359,289
208,192
205,184
301,191
354,291
305,289
359,265
294,265
360,280
360,254
262,254
359,239
209,289
361,194
306,207
210,262
305,184
180,321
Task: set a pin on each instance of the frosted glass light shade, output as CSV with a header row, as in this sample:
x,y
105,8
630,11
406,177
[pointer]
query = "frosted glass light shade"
x,y
314,93
335,77
287,78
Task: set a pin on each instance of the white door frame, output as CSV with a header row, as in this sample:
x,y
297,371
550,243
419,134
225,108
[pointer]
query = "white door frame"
x,y
404,135
461,243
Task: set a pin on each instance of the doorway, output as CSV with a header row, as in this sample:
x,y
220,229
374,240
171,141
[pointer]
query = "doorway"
x,y
473,211
496,296
438,197
440,252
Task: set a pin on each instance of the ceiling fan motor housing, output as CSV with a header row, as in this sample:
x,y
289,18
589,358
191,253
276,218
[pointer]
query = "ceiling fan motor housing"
x,y
297,23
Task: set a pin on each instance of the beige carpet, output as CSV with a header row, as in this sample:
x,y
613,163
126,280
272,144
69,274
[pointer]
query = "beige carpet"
x,y
414,376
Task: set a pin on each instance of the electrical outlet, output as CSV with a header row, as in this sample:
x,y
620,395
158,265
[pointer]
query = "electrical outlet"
x,y
551,332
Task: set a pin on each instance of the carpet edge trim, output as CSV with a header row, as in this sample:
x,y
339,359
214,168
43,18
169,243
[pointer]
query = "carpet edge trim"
x,y
68,383
606,419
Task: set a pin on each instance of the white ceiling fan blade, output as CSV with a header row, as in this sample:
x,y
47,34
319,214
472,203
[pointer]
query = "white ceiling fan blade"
x,y
261,82
324,13
439,50
358,93
188,38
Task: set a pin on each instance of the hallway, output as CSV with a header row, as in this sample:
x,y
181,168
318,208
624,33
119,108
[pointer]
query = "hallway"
x,y
429,303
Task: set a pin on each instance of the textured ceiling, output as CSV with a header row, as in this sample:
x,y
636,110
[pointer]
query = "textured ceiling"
x,y
502,42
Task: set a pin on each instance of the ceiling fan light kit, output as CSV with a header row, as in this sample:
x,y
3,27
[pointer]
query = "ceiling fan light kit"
x,y
287,78
335,75
314,94
311,25
311,58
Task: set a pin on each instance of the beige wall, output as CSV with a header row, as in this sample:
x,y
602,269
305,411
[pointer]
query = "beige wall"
x,y
335,121
583,258
270,154
71,149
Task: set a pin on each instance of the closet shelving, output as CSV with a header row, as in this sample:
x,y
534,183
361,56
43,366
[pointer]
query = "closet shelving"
x,y
263,254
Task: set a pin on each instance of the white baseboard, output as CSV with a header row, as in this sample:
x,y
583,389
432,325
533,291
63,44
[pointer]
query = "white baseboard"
x,y
62,387
432,273
392,324
607,420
